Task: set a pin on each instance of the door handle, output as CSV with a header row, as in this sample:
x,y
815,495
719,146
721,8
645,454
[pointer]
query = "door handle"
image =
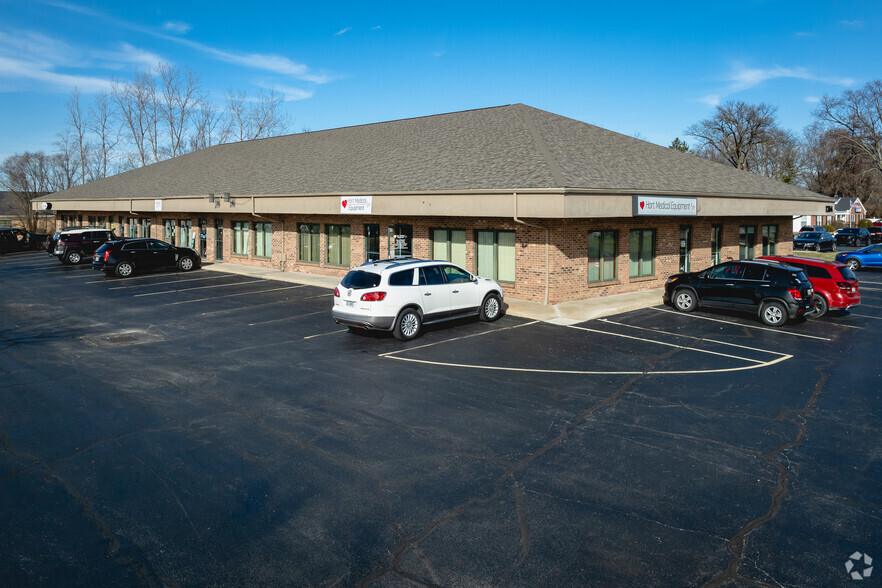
x,y
455,292
427,294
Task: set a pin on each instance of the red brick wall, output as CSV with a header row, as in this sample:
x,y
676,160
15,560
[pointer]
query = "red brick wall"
x,y
567,249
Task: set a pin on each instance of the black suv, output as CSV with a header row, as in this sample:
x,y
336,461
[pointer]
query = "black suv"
x,y
853,236
774,291
20,240
74,246
875,234
124,257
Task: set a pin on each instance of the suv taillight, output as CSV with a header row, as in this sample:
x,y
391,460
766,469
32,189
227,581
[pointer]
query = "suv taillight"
x,y
373,296
106,254
844,286
795,293
336,292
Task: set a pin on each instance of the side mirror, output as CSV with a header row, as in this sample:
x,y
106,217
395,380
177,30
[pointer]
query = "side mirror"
x,y
473,278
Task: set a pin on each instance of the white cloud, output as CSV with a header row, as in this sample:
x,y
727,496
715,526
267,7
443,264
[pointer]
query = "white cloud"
x,y
710,99
176,26
855,24
128,55
342,31
743,78
292,94
58,82
812,99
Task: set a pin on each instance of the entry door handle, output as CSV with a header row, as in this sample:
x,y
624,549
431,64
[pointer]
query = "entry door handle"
x,y
455,292
427,294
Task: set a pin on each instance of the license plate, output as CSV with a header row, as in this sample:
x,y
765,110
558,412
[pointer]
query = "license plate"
x,y
350,304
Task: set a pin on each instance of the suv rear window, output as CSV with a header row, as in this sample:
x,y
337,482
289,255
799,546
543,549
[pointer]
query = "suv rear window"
x,y
815,271
403,278
360,279
847,273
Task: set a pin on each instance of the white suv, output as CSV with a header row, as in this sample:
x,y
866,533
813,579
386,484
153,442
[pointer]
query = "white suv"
x,y
401,295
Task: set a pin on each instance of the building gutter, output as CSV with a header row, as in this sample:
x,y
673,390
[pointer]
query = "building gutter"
x,y
517,220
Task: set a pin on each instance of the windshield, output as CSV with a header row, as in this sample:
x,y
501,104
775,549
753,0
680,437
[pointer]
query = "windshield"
x,y
360,279
811,235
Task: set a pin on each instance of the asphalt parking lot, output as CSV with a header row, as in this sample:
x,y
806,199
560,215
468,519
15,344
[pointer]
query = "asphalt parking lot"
x,y
212,429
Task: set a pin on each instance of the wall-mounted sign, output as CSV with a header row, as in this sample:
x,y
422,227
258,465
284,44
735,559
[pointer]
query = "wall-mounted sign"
x,y
356,204
665,206
157,205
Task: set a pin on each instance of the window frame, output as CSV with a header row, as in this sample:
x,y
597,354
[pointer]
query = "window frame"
x,y
343,243
449,245
641,254
601,259
263,238
241,242
313,242
478,246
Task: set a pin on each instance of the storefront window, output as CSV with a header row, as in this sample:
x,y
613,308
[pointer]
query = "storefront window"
x,y
263,239
449,245
495,253
240,238
642,256
338,245
308,249
602,250
716,244
746,242
770,239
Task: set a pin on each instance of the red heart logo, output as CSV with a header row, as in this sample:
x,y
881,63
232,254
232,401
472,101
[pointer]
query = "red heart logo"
x,y
642,204
344,204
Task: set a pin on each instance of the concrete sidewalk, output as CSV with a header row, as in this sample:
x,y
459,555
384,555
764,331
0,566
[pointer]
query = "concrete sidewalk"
x,y
564,313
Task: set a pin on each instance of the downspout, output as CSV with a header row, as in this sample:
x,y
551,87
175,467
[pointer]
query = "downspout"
x,y
517,220
131,205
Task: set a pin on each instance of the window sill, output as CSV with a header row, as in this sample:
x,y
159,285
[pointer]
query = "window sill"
x,y
604,284
642,279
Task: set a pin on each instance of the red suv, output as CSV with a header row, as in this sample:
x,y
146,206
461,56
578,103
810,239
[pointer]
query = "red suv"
x,y
836,287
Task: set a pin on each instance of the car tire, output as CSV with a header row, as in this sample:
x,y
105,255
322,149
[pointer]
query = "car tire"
x,y
773,314
186,263
819,303
684,300
408,324
491,308
853,263
124,269
74,257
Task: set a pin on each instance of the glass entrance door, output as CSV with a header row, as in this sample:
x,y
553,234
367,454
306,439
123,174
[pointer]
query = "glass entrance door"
x,y
218,239
685,248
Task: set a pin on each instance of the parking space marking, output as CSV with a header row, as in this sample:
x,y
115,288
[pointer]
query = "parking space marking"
x,y
867,316
250,292
755,363
288,318
127,287
326,334
199,288
865,289
770,329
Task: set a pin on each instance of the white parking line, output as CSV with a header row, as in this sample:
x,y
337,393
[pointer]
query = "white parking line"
x,y
754,363
252,292
865,289
867,316
288,318
198,288
707,318
157,283
326,334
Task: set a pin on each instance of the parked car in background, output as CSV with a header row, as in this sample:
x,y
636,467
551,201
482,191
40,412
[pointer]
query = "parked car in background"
x,y
402,295
814,241
875,234
854,236
814,229
13,239
75,245
125,257
835,285
775,292
867,257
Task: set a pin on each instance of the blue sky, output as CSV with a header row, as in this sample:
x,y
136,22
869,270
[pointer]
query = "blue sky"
x,y
648,69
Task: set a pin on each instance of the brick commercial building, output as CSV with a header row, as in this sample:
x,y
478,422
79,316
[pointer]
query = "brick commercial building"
x,y
553,208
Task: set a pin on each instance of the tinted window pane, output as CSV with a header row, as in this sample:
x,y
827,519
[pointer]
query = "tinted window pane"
x,y
816,272
358,280
456,275
754,272
431,276
403,278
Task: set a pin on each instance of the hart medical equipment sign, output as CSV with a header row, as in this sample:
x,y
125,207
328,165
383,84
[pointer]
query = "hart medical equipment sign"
x,y
664,206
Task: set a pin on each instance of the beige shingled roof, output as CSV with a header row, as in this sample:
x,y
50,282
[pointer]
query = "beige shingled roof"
x,y
501,148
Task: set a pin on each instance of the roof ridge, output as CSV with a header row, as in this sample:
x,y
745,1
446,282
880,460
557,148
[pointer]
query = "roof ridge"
x,y
554,167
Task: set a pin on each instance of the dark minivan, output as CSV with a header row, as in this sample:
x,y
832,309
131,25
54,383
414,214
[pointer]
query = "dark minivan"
x,y
775,292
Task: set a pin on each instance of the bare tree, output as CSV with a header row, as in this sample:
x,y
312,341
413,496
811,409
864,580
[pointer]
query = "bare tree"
x,y
105,128
832,165
209,125
76,120
134,101
26,175
859,113
263,118
778,157
181,96
733,133
62,167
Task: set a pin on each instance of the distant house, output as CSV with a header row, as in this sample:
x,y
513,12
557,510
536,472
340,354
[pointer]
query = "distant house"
x,y
12,214
849,210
